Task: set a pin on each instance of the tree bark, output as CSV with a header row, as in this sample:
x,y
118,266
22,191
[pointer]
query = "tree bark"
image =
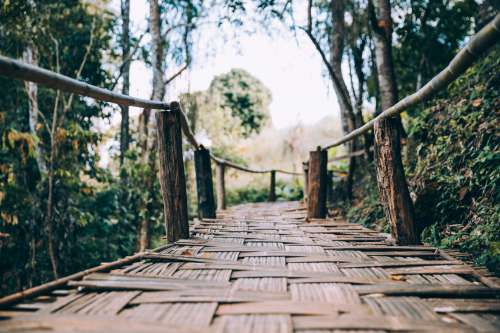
x,y
124,127
30,56
221,186
272,186
347,115
391,179
172,177
157,94
204,184
316,205
337,8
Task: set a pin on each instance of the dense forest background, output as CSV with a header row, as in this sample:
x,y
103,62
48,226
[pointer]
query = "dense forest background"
x,y
62,209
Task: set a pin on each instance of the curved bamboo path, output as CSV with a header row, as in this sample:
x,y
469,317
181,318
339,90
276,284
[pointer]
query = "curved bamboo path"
x,y
263,268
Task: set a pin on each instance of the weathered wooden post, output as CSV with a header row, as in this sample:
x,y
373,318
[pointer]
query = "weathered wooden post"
x,y
172,177
305,167
316,205
204,183
391,180
272,186
221,186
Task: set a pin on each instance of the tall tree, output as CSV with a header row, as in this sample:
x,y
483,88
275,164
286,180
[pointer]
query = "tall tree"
x,y
124,128
336,39
391,179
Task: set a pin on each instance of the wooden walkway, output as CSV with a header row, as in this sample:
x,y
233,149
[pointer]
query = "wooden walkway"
x,y
262,268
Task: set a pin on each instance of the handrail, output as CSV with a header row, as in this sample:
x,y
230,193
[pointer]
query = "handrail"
x,y
186,129
19,70
480,42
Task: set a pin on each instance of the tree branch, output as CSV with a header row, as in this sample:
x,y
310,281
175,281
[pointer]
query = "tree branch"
x,y
335,79
126,61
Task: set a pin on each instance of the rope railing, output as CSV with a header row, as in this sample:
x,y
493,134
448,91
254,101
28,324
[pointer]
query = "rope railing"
x,y
478,44
191,138
171,123
394,194
19,70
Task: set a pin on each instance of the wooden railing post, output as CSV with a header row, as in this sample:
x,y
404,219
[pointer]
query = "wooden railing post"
x,y
394,194
305,167
221,187
316,205
272,186
172,178
204,183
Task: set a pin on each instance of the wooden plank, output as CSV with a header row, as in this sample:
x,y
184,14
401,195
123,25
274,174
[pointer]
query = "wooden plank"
x,y
451,269
154,279
287,307
385,323
137,285
342,279
399,263
318,258
77,323
208,295
425,290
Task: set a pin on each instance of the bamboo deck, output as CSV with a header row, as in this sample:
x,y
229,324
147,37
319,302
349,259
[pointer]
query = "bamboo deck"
x,y
262,268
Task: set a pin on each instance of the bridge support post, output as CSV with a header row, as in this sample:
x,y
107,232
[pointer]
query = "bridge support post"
x,y
172,177
204,183
393,189
305,167
272,186
221,186
316,205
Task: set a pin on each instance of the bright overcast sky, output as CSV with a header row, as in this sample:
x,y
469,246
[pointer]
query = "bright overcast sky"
x,y
288,65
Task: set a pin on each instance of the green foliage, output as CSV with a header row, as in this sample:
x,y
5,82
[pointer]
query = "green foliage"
x,y
368,210
429,33
456,175
244,96
285,191
61,33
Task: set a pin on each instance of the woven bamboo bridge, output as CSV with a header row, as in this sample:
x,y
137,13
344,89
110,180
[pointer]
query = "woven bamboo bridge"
x,y
267,267
263,268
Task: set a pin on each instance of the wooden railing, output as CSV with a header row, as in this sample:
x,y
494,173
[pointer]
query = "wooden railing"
x,y
172,123
315,169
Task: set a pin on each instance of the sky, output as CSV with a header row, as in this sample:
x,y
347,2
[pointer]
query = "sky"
x,y
287,64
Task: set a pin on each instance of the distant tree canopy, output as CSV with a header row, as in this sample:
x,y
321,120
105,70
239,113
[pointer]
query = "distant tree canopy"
x,y
235,106
244,96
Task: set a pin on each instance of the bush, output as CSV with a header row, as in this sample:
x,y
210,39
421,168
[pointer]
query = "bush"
x,y
285,191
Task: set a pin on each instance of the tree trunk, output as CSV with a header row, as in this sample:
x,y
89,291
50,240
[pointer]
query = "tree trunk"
x,y
391,180
337,8
347,116
172,177
30,56
158,93
124,128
